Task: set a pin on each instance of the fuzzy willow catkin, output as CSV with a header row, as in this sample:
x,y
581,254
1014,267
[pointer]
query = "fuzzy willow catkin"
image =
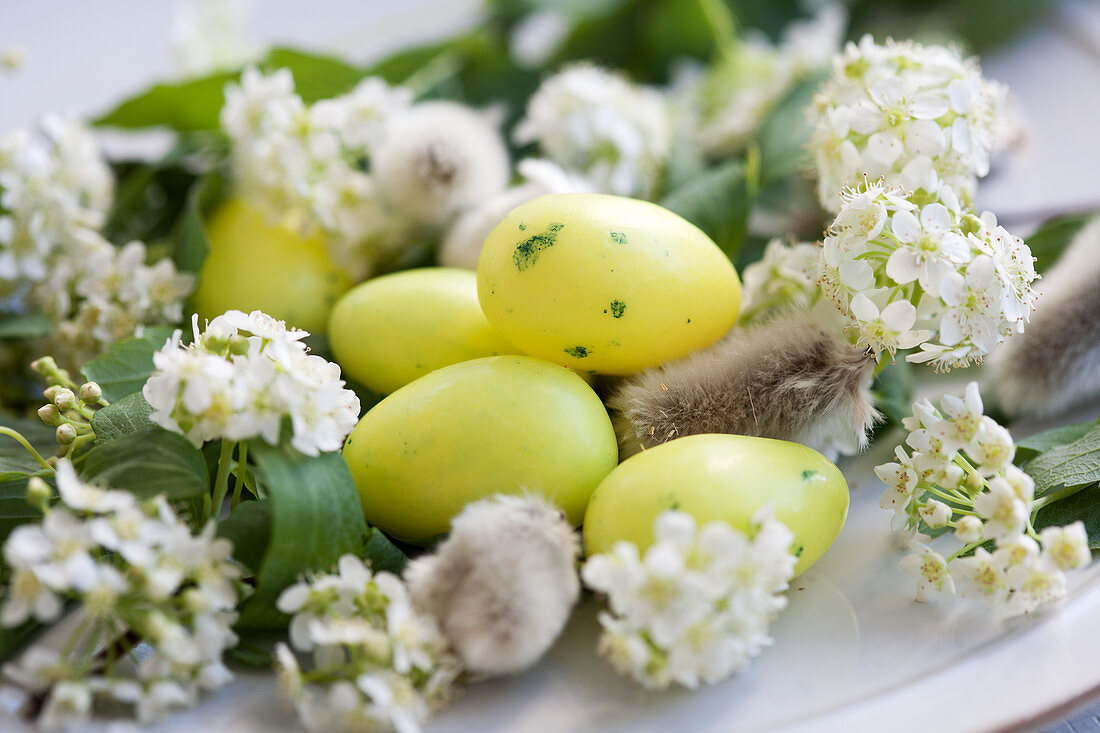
x,y
789,378
503,584
1056,362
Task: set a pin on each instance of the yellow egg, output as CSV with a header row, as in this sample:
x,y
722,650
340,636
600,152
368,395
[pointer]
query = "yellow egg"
x,y
721,477
500,424
393,329
605,284
255,265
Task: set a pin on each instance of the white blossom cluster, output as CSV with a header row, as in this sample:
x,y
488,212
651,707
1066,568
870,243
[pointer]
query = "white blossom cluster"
x,y
242,377
55,191
785,277
930,275
957,474
379,663
299,163
745,84
155,603
212,35
922,117
696,608
369,169
597,124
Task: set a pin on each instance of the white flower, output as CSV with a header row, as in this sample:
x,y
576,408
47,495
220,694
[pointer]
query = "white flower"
x,y
980,576
935,513
1004,513
598,124
921,116
209,395
968,529
1067,547
696,607
931,571
900,478
909,276
786,276
992,449
394,701
68,706
1034,584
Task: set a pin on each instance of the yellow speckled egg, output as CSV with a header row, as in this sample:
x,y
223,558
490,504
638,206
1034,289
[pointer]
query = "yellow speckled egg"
x,y
604,283
393,329
500,424
253,264
721,477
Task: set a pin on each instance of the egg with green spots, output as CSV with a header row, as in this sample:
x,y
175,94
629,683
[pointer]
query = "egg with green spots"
x,y
253,264
721,477
604,283
500,424
393,329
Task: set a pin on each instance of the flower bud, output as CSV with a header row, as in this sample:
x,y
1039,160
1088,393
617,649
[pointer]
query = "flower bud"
x,y
238,345
39,494
64,399
51,392
49,414
65,434
91,393
44,366
215,341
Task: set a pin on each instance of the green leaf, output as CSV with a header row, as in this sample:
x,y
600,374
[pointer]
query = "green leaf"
x,y
784,135
14,509
191,243
1052,237
13,456
24,325
718,202
892,392
316,76
1072,464
194,105
124,367
119,419
315,518
1033,445
147,464
249,528
12,639
383,554
1083,506
184,106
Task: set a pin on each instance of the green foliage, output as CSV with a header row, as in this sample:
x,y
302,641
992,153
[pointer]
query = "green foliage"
x,y
249,528
124,367
784,135
148,463
1083,506
1070,464
16,468
892,392
315,518
125,417
193,105
718,202
24,325
1053,236
189,235
1033,445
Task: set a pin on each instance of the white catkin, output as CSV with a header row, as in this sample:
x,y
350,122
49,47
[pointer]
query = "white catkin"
x,y
789,378
439,159
1056,362
503,584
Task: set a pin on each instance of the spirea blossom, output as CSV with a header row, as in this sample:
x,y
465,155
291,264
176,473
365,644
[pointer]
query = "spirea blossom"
x,y
695,607
956,472
300,163
920,116
909,275
159,597
379,663
55,191
242,378
598,124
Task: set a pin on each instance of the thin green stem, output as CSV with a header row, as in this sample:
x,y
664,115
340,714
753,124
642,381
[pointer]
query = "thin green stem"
x,y
723,27
239,471
221,482
943,494
963,550
23,442
1054,496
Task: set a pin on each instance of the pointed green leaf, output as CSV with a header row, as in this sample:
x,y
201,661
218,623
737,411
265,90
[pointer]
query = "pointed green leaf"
x,y
124,367
149,463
